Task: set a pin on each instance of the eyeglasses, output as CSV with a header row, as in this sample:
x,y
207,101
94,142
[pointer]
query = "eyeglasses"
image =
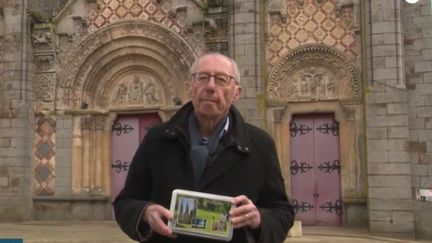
x,y
220,79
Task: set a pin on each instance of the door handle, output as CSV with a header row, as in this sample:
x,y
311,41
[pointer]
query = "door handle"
x,y
316,194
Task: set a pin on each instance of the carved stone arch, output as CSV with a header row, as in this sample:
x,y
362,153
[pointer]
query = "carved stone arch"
x,y
312,73
133,44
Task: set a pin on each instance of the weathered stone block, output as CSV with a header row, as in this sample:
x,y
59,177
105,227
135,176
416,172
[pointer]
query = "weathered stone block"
x,y
417,123
385,73
389,180
423,220
419,169
388,97
398,156
398,132
376,109
397,108
389,193
374,132
383,27
397,144
403,226
415,181
387,121
423,66
425,112
4,181
389,169
377,144
377,156
426,182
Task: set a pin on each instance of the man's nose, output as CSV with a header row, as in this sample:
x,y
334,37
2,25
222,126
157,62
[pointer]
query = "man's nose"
x,y
211,82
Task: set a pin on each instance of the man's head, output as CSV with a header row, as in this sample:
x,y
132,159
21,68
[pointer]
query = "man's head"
x,y
215,85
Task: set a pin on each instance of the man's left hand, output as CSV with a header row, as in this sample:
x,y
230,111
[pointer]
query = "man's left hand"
x,y
245,214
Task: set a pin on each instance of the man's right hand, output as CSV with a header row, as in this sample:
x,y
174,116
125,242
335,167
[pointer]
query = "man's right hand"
x,y
155,216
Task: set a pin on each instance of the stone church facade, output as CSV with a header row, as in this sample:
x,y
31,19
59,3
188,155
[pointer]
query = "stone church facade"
x,y
70,69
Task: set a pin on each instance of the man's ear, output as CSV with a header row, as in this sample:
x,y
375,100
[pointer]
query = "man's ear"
x,y
237,92
189,88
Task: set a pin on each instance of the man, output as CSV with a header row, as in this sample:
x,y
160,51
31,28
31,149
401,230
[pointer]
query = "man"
x,y
206,146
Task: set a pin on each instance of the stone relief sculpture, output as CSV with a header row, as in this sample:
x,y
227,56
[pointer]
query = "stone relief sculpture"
x,y
44,85
121,95
314,83
152,92
304,76
41,38
135,93
137,90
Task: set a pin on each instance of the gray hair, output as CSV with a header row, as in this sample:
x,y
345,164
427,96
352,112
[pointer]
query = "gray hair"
x,y
236,73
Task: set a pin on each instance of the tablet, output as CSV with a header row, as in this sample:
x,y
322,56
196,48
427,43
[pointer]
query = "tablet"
x,y
201,214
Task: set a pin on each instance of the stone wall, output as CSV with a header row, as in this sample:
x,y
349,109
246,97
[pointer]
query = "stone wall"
x,y
417,33
389,172
16,140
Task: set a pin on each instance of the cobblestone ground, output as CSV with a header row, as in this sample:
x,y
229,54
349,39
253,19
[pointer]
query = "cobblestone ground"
x,y
109,232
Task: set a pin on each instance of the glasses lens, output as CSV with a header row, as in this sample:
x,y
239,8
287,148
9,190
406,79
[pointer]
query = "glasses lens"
x,y
220,79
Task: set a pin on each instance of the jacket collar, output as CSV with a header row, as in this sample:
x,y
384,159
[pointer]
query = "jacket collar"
x,y
237,132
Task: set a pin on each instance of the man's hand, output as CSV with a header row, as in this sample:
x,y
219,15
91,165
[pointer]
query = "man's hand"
x,y
154,216
246,213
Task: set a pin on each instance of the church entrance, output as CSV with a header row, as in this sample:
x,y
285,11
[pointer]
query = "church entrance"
x,y
127,133
315,169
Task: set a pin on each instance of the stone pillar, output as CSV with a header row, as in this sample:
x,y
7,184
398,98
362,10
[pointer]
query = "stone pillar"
x,y
389,183
99,149
76,156
87,163
246,49
16,116
417,33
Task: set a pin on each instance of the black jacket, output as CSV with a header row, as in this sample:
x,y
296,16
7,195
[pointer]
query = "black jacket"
x,y
246,164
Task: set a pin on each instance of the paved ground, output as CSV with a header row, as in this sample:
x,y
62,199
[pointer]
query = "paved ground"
x,y
108,232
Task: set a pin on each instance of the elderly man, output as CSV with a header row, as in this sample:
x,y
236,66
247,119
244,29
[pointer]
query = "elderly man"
x,y
207,147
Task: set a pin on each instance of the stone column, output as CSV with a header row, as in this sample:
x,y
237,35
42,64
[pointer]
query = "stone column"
x,y
76,156
246,49
389,173
16,116
87,164
99,149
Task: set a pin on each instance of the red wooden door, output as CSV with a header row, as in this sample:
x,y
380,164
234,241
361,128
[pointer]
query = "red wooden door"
x,y
315,169
127,133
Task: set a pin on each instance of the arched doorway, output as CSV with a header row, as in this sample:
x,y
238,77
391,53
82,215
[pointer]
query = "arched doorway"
x,y
140,67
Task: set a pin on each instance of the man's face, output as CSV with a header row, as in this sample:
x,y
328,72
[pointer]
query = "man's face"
x,y
211,100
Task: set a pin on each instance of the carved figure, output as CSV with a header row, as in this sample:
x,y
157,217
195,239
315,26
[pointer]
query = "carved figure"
x,y
42,38
121,93
136,91
152,92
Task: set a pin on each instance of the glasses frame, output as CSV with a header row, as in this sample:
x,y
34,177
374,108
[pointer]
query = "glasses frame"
x,y
214,77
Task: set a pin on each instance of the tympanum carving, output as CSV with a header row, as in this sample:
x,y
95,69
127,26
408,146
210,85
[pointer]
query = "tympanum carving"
x,y
311,74
137,90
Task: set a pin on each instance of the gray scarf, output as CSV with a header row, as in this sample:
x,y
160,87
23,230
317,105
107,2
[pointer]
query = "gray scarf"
x,y
202,149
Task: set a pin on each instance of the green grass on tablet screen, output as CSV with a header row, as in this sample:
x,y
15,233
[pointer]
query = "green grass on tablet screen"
x,y
214,223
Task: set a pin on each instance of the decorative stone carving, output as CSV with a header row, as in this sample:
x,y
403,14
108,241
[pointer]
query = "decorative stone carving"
x,y
313,83
45,86
277,9
87,122
137,90
99,121
44,63
75,71
41,38
311,74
